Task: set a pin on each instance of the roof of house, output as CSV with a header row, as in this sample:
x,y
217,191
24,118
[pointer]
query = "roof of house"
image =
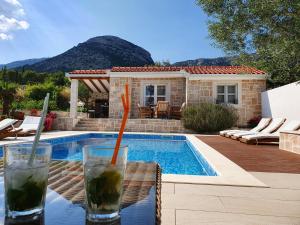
x,y
193,69
88,72
188,69
147,69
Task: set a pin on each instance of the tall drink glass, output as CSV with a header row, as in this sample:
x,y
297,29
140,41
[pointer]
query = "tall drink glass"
x,y
103,182
25,183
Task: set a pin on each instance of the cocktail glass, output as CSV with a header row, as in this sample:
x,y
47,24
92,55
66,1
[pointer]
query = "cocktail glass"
x,y
25,182
103,182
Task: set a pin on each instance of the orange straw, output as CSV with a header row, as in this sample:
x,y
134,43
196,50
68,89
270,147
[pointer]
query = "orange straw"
x,y
125,101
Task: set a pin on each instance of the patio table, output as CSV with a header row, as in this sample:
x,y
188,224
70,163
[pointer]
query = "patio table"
x,y
141,202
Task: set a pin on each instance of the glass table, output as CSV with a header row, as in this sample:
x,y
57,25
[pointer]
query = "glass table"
x,y
65,195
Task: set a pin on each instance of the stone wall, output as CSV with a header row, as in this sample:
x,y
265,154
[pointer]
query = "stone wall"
x,y
133,125
199,91
116,90
251,100
176,90
290,141
64,123
249,92
108,124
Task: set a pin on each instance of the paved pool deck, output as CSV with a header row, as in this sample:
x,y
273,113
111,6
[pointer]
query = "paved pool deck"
x,y
279,204
190,204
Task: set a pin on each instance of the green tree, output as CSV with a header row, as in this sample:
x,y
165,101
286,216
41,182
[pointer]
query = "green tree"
x,y
84,94
8,91
63,98
266,34
58,79
32,77
39,91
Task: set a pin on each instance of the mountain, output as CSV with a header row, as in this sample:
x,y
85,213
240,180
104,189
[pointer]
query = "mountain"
x,y
96,53
21,63
220,61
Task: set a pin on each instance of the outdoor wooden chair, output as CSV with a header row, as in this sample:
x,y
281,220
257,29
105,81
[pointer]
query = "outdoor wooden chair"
x,y
176,111
162,109
144,111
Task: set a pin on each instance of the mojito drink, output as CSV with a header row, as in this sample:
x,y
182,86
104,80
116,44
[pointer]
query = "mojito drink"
x,y
103,188
25,188
25,183
103,185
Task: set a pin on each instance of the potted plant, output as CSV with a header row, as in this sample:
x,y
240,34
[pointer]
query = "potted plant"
x,y
49,121
34,112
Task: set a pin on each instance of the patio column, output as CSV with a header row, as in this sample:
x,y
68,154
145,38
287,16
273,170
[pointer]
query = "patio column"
x,y
74,98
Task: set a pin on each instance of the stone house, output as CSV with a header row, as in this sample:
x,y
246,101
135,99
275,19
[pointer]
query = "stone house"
x,y
239,86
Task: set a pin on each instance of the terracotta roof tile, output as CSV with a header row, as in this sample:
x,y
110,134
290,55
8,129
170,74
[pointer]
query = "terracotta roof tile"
x,y
146,69
222,70
193,69
188,69
88,72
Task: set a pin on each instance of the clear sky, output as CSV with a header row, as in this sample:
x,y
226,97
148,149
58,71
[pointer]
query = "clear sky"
x,y
172,30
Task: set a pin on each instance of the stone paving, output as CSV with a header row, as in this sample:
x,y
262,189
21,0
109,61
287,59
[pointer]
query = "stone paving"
x,y
191,204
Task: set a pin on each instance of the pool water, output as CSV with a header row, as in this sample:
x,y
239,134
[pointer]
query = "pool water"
x,y
174,154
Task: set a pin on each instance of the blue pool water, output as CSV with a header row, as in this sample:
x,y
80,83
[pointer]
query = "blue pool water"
x,y
174,154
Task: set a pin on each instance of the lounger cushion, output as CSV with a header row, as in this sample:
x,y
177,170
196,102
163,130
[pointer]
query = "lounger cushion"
x,y
288,126
260,136
223,132
274,125
240,134
6,123
261,125
30,123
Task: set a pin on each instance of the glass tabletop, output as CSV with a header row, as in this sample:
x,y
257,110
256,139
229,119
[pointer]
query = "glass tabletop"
x,y
139,204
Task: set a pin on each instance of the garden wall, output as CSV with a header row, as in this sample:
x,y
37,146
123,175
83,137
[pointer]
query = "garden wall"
x,y
111,124
282,102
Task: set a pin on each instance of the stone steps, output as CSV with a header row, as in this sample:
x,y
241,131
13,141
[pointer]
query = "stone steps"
x,y
133,125
90,124
80,128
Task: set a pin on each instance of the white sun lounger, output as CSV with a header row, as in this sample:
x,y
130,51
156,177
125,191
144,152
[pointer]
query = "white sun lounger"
x,y
273,126
6,123
7,129
260,126
29,125
274,137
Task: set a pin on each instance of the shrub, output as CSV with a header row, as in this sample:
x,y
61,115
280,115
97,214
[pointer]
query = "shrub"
x,y
63,98
33,104
39,91
208,117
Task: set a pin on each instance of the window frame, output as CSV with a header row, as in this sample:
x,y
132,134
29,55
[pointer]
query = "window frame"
x,y
155,96
226,94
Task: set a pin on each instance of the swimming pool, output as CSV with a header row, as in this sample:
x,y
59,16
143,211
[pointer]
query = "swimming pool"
x,y
174,153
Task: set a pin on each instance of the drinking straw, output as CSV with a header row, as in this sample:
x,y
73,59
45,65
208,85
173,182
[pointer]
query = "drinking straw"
x,y
125,102
39,130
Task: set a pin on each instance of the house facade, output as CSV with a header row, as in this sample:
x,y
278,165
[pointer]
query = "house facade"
x,y
238,86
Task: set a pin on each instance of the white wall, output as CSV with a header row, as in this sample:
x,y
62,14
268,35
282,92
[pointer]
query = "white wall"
x,y
282,102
